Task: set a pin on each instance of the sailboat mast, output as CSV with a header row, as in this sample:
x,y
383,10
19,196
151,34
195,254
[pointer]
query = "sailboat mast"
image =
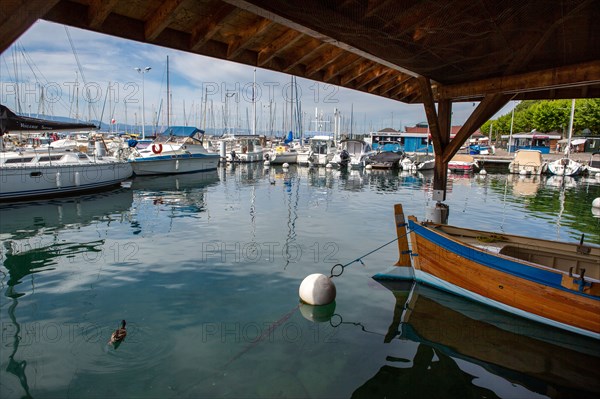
x,y
570,127
168,99
254,104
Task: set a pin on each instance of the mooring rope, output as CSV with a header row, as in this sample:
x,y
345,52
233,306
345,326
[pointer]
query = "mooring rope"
x,y
359,259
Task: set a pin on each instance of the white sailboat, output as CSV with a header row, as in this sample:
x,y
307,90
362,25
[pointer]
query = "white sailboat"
x,y
566,166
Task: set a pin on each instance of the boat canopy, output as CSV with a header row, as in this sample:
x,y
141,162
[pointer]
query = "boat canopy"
x,y
182,131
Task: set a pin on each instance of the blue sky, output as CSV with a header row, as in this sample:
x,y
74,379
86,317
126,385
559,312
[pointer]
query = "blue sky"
x,y
43,57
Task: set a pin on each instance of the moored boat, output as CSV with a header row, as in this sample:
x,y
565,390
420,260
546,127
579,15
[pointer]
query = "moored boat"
x,y
50,172
551,282
462,163
527,162
593,166
178,149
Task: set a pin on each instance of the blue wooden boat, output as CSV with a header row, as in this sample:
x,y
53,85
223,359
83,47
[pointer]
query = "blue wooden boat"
x,y
551,282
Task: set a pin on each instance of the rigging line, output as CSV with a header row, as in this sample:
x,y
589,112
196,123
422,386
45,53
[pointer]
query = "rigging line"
x,y
80,68
33,67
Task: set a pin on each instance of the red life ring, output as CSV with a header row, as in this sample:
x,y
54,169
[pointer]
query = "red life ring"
x,y
157,148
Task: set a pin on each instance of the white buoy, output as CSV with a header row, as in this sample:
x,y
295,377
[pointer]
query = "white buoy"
x,y
328,166
522,172
483,172
597,175
286,165
317,289
369,167
596,203
267,163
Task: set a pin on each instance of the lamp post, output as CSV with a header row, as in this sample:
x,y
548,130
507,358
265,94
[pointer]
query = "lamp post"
x,y
142,72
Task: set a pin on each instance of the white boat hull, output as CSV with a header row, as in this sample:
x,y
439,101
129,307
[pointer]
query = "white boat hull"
x,y
172,164
564,167
281,158
20,182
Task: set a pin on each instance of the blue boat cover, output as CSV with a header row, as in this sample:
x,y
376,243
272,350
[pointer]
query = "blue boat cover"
x,y
182,131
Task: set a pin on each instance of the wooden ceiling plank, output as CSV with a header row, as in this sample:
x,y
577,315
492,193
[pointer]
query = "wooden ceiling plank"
x,y
305,53
98,11
161,18
574,75
208,26
389,77
16,20
357,72
376,74
335,70
258,10
287,39
324,61
248,38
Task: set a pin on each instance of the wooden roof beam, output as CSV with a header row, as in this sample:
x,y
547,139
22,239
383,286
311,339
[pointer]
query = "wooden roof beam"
x,y
323,61
209,25
372,76
569,76
392,78
98,11
357,72
287,39
272,14
18,15
248,38
335,70
161,18
306,52
393,84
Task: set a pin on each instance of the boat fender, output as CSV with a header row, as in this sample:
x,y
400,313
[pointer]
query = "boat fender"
x,y
317,289
157,148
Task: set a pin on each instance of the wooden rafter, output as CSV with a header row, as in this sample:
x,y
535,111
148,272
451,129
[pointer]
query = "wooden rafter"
x,y
369,77
323,61
17,16
161,18
387,87
357,72
340,67
209,25
304,53
287,39
389,77
98,11
248,37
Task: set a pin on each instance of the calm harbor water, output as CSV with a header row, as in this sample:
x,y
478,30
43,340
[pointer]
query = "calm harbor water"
x,y
206,267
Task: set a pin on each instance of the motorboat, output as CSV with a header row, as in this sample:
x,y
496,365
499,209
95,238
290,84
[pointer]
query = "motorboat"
x,y
418,162
281,154
352,153
243,148
321,150
528,162
54,172
178,149
385,160
462,163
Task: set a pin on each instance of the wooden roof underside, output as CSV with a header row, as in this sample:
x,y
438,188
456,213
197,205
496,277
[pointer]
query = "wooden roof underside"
x,y
464,49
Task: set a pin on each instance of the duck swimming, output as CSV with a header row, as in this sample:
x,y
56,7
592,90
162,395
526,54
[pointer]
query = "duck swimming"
x,y
119,334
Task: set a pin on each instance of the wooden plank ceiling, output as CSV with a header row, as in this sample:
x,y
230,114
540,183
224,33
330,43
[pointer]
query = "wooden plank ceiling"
x,y
464,50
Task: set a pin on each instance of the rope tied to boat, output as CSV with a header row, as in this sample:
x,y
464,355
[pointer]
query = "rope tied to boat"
x,y
359,259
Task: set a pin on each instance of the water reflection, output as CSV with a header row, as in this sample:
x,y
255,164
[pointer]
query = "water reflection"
x,y
462,345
